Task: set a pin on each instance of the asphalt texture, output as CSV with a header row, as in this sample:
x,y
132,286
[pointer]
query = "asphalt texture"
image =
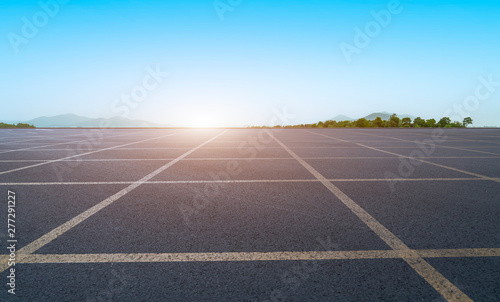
x,y
110,198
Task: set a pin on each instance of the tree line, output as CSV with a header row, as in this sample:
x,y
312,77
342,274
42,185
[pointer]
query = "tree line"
x,y
393,122
19,125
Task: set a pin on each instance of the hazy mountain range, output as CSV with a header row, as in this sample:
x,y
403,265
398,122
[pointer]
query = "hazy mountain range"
x,y
383,115
73,120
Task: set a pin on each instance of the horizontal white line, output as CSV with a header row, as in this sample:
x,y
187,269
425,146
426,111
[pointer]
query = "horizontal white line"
x,y
249,256
264,147
236,181
236,158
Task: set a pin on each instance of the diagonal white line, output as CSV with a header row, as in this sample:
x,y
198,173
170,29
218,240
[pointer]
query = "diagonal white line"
x,y
58,231
447,289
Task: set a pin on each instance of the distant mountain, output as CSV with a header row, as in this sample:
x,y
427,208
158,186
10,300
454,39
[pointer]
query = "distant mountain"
x,y
73,120
383,115
386,116
342,117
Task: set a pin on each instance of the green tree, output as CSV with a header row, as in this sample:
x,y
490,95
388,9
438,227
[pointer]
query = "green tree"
x,y
443,122
467,121
419,122
24,125
378,122
394,121
406,122
362,123
19,125
430,123
344,124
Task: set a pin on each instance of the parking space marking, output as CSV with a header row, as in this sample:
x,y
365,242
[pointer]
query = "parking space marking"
x,y
58,231
442,146
455,138
63,143
415,258
416,159
81,154
442,285
36,139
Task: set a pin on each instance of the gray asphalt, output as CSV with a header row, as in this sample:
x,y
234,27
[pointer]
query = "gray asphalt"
x,y
243,192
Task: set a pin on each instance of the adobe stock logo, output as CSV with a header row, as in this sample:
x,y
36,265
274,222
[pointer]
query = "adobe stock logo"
x,y
223,6
139,93
364,36
31,26
484,91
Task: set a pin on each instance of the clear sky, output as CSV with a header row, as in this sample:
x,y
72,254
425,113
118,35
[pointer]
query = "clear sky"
x,y
237,62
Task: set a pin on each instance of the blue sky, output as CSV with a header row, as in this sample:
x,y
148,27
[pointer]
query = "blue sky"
x,y
422,58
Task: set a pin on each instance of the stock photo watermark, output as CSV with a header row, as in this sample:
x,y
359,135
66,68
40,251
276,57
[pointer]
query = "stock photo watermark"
x,y
11,241
408,165
484,90
300,272
363,36
115,286
223,7
31,26
139,93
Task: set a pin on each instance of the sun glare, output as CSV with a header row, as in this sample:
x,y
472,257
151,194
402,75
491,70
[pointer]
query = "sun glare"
x,y
204,116
202,121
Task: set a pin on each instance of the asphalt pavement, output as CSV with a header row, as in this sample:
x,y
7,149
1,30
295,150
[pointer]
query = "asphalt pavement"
x,y
250,214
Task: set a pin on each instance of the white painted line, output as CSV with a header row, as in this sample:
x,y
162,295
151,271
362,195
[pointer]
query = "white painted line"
x,y
119,149
250,256
234,158
459,253
295,148
202,257
58,231
442,285
235,181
